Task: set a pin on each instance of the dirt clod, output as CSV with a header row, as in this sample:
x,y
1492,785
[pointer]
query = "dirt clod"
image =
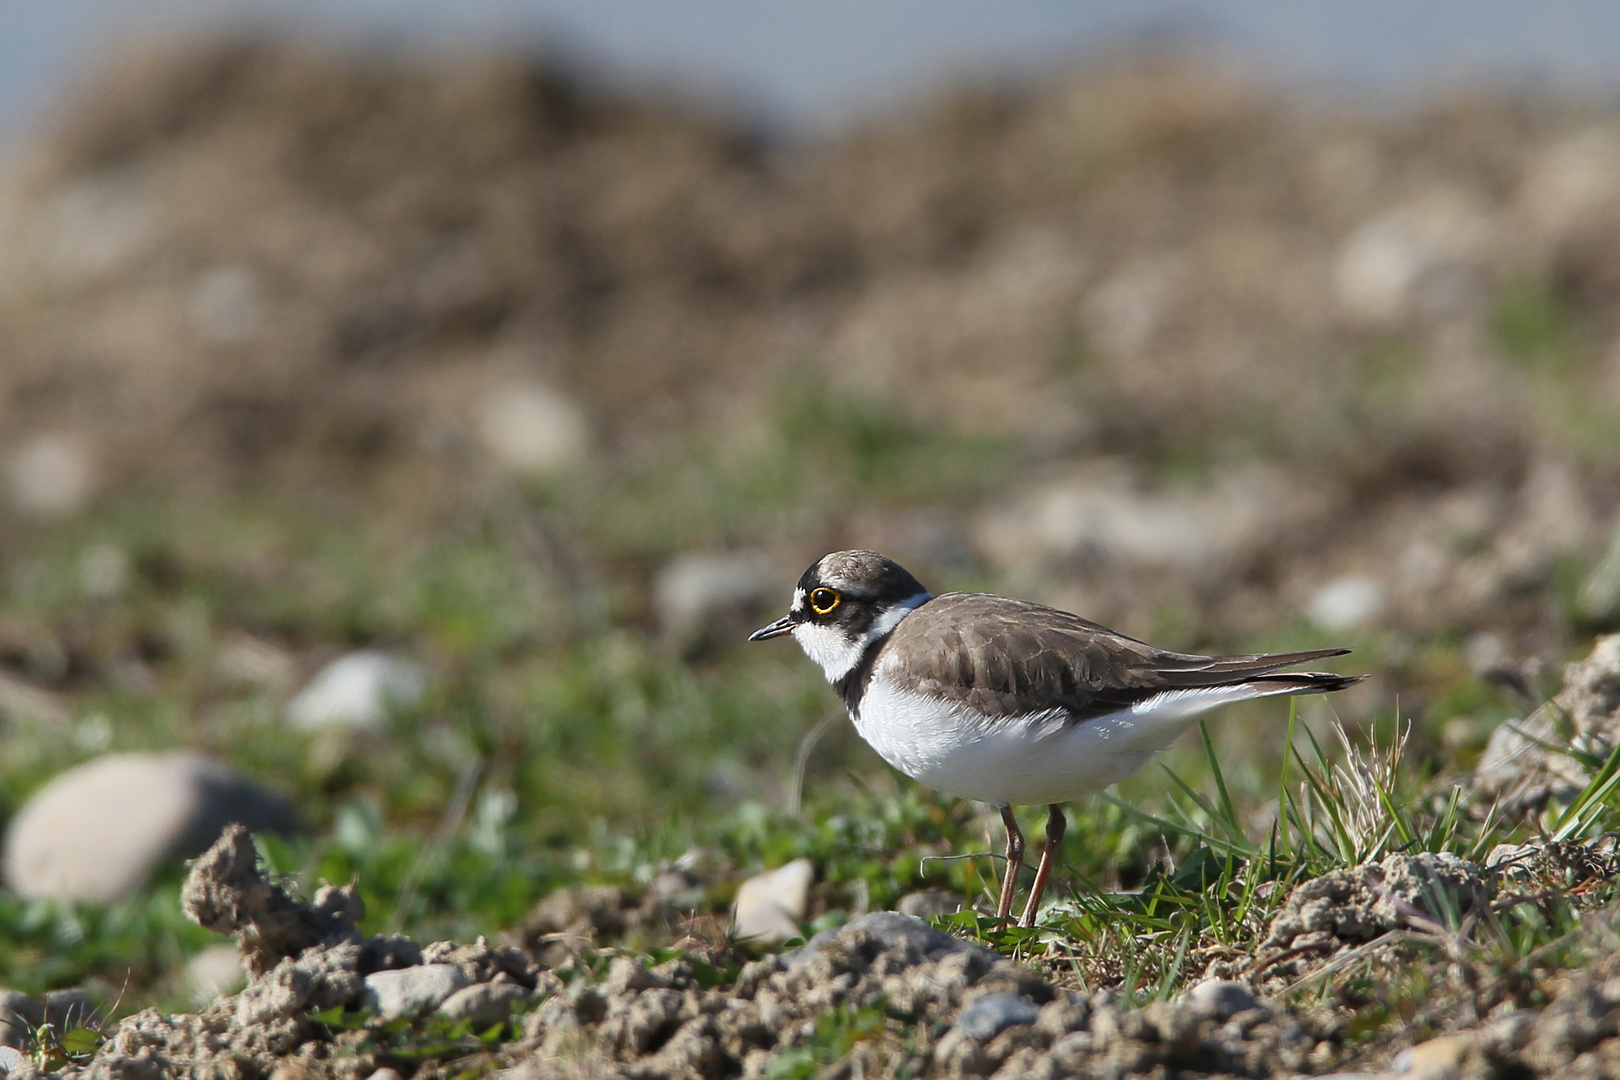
x,y
226,892
1360,903
884,994
1521,770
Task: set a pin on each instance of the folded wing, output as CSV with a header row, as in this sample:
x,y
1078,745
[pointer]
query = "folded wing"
x,y
1015,658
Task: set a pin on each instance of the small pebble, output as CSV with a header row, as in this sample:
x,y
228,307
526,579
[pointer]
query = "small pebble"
x,y
1437,1059
96,832
992,1014
483,1004
52,476
1346,603
1220,999
357,690
532,429
770,905
410,991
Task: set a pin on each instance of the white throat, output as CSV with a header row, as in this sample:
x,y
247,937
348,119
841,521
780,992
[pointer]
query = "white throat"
x,y
837,652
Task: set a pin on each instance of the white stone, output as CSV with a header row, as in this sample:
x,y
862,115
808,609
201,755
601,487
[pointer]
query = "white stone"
x,y
94,226
97,831
1388,262
1437,1059
357,690
695,593
770,905
215,971
532,429
226,304
1346,603
483,1004
1126,311
410,991
1220,999
1102,513
51,476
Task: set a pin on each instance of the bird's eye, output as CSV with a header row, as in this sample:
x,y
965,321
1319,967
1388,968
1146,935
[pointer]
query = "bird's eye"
x,y
823,600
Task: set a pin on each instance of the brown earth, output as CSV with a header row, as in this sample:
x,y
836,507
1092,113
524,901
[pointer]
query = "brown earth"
x,y
1244,345
884,995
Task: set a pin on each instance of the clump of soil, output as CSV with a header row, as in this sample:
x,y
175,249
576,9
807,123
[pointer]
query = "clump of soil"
x,y
226,893
887,990
1555,751
886,993
1360,903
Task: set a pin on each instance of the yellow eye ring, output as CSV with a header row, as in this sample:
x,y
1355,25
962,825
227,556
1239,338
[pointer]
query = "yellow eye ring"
x,y
824,600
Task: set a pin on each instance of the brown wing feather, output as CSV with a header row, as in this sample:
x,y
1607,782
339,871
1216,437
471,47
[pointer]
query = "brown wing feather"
x,y
1014,657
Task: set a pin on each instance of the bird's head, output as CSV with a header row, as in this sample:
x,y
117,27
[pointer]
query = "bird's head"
x,y
844,603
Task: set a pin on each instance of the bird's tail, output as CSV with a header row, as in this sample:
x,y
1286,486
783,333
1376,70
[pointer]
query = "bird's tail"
x,y
1302,682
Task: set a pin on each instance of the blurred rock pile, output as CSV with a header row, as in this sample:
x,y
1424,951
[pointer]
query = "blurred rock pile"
x,y
1251,350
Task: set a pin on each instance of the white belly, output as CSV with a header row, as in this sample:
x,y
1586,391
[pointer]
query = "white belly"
x,y
1027,760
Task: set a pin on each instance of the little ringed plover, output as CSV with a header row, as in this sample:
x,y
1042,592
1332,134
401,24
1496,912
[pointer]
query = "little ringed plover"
x,y
1006,701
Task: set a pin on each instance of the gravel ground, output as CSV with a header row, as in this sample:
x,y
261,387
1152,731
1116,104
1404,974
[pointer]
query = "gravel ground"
x,y
887,994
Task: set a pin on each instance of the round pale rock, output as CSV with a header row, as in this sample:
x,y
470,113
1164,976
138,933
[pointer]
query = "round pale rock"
x,y
714,594
484,1004
1405,259
97,831
532,429
1220,999
770,905
1347,603
410,991
52,476
990,1015
357,690
1437,1059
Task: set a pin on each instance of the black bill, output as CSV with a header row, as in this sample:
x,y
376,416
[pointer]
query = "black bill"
x,y
781,626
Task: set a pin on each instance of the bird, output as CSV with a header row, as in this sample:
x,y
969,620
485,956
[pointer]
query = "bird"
x,y
1006,701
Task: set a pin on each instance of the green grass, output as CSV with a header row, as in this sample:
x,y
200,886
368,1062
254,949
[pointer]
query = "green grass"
x,y
562,742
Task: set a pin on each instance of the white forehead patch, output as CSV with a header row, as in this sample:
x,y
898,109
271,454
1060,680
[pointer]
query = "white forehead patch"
x,y
798,600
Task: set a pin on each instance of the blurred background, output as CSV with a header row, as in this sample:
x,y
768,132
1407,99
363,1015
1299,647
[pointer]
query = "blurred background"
x,y
409,408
